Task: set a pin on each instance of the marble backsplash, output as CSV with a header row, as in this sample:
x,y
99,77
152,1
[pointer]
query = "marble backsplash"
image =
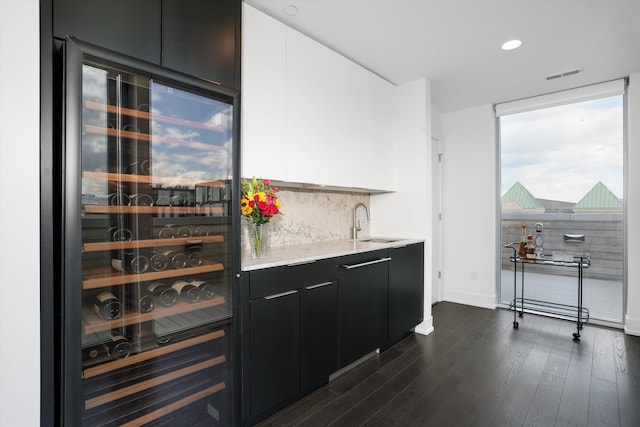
x,y
314,215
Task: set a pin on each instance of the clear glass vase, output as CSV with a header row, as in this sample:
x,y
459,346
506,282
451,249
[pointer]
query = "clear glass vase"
x,y
258,239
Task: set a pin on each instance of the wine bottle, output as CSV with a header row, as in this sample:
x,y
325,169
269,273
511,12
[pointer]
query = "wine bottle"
x,y
164,294
176,259
159,261
163,200
167,232
143,303
207,289
130,262
202,230
194,259
141,199
119,199
120,234
107,305
183,232
187,291
118,347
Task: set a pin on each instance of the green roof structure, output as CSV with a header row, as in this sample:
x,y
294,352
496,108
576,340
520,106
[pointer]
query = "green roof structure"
x,y
518,198
599,198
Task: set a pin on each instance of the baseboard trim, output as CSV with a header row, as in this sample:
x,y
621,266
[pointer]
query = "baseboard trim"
x,y
473,299
426,327
631,326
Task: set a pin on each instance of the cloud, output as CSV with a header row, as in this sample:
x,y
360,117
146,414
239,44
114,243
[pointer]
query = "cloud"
x,y
560,153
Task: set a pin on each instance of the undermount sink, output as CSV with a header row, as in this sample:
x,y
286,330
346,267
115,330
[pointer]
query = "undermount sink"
x,y
378,240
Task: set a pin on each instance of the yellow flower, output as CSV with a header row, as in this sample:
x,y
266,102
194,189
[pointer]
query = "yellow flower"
x,y
245,209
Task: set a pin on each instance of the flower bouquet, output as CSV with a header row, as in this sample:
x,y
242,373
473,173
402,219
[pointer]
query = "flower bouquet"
x,y
259,203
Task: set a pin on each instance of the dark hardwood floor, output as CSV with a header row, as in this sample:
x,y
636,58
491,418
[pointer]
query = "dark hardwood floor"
x,y
476,370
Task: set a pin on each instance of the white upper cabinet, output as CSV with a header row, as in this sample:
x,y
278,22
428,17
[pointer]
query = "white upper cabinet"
x,y
310,104
352,107
310,115
263,95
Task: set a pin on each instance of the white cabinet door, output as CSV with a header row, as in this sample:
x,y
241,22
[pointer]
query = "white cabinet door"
x,y
263,95
382,129
352,107
309,117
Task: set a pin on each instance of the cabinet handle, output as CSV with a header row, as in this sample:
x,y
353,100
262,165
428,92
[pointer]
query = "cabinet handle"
x,y
319,285
284,294
301,263
375,261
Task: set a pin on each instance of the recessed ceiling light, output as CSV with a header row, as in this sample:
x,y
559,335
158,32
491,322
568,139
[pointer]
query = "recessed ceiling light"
x,y
511,44
291,10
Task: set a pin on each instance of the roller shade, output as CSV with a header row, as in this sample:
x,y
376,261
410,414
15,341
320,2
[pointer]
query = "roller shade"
x,y
585,93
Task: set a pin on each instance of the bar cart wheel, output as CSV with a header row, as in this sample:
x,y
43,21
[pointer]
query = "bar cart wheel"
x,y
516,325
576,337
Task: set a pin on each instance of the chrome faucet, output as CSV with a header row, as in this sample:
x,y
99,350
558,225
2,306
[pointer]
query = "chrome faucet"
x,y
356,222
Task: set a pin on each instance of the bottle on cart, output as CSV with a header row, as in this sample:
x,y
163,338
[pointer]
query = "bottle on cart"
x,y
107,305
530,249
187,291
130,262
207,289
164,294
523,242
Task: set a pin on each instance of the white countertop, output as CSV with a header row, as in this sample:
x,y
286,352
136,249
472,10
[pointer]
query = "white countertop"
x,y
292,254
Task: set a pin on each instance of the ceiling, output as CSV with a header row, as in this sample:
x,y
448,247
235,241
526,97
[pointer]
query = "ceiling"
x,y
456,43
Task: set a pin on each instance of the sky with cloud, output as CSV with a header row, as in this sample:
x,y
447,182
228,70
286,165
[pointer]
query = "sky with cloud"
x,y
560,153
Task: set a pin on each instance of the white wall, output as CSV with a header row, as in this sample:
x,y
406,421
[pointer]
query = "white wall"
x,y
407,212
468,210
19,213
632,318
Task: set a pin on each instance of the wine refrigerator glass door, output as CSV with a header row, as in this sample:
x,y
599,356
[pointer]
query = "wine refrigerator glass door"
x,y
156,175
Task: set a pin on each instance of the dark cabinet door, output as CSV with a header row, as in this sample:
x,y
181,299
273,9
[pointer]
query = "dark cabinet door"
x,y
406,289
201,38
129,27
275,350
363,294
318,333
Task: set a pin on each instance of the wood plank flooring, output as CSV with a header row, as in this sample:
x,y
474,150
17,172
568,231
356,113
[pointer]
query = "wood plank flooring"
x,y
476,370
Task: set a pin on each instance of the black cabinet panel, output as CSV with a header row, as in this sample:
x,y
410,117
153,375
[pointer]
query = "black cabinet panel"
x,y
363,302
281,279
318,333
200,38
406,289
129,27
275,351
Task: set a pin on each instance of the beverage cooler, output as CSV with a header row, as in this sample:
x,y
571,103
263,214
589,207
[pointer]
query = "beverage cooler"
x,y
151,247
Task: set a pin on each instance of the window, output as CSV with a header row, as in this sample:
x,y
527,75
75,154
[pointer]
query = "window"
x,y
562,159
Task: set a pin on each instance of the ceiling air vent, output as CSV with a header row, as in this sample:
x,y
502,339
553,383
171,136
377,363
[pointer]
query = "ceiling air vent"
x,y
564,74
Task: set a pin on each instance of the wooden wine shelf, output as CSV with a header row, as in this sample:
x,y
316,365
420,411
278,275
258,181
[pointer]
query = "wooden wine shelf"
x,y
94,323
144,385
140,136
151,354
147,179
145,115
159,210
113,278
150,243
165,410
